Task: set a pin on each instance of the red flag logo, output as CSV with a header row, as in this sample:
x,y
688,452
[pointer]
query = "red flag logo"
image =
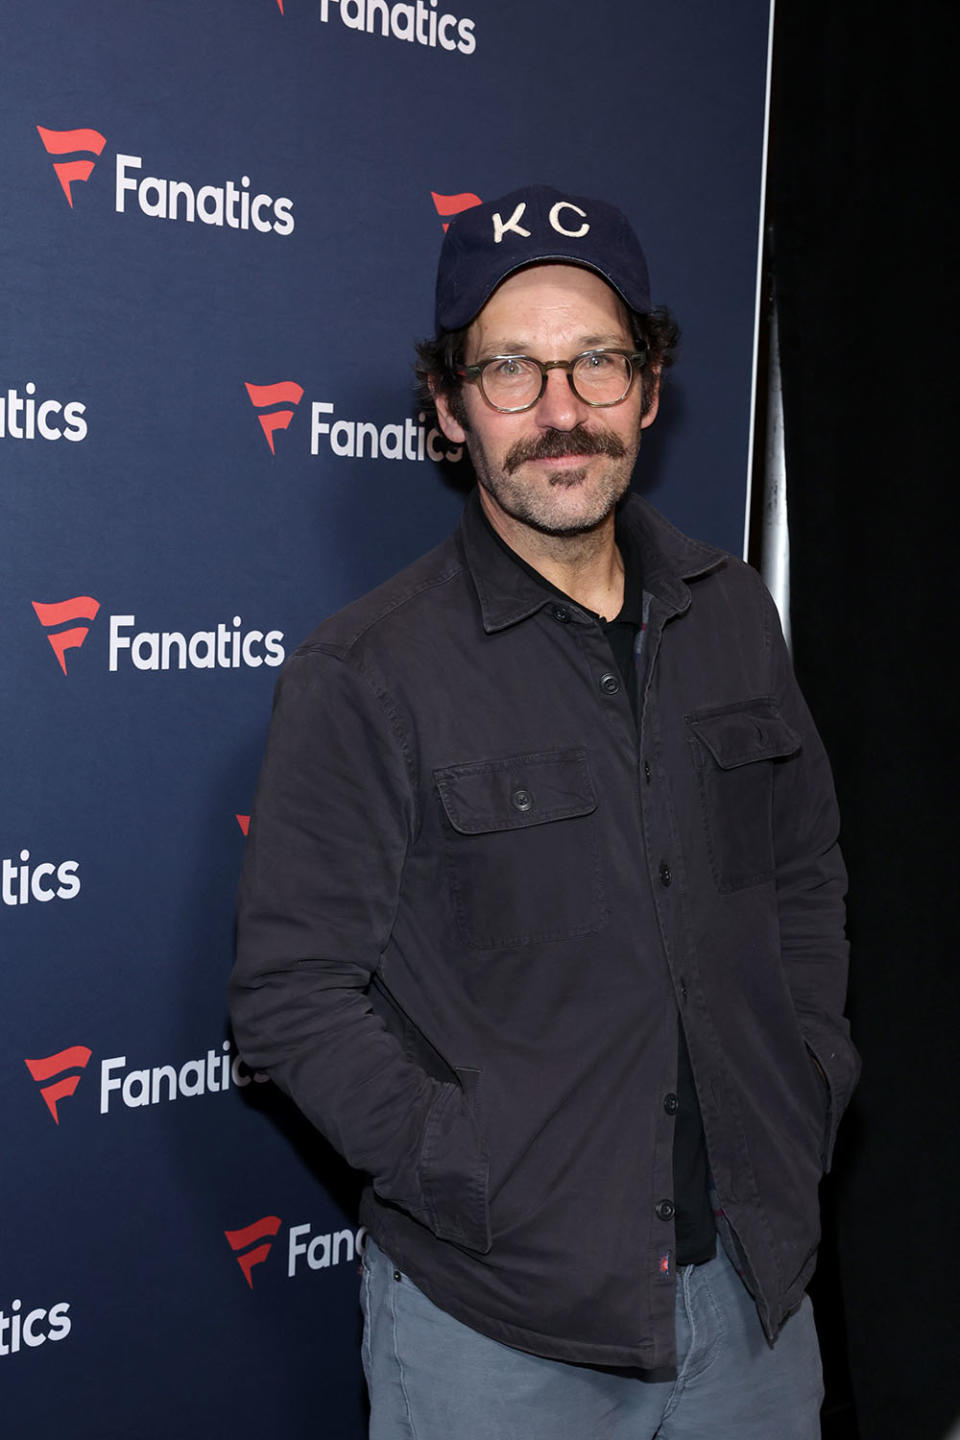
x,y
285,393
67,142
80,607
52,1068
453,204
252,1242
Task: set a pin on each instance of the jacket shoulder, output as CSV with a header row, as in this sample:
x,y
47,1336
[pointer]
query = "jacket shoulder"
x,y
744,588
401,598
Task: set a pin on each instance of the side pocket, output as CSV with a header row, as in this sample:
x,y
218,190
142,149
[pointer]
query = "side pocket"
x,y
838,1069
822,1085
454,1166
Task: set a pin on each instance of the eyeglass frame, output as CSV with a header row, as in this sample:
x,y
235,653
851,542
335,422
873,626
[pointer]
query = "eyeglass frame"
x,y
636,359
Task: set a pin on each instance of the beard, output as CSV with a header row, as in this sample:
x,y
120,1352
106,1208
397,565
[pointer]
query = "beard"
x,y
545,506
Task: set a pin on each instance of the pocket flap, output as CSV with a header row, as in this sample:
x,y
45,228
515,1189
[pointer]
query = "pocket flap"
x,y
518,791
741,734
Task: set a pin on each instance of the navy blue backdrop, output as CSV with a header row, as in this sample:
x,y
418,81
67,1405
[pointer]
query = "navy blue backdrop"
x,y
220,223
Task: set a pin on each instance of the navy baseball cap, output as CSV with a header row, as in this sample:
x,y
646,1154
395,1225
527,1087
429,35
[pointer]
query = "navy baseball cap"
x,y
535,226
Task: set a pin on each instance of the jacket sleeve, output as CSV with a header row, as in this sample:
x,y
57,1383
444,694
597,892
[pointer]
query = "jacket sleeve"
x,y
811,887
334,814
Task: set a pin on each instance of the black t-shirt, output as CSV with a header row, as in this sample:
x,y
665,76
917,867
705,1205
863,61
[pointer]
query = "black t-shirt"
x,y
693,1221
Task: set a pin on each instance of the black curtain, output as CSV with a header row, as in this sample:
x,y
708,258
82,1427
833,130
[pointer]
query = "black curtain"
x,y
862,174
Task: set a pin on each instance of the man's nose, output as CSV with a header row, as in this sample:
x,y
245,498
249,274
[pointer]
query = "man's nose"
x,y
558,407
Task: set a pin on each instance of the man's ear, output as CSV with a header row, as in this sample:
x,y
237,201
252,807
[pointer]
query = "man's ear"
x,y
448,422
651,395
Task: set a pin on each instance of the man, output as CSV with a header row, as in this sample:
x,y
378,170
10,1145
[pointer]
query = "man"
x,y
541,920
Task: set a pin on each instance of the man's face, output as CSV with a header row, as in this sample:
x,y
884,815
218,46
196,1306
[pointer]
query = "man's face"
x,y
561,467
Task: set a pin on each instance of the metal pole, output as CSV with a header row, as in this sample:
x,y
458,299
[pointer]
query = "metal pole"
x,y
775,537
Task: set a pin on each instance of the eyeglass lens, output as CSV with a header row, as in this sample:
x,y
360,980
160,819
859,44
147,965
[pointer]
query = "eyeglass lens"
x,y
598,377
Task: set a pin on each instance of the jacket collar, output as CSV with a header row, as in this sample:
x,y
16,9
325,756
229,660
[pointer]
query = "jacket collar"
x,y
668,558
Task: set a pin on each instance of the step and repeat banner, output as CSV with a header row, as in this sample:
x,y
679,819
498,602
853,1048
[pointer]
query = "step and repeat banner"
x,y
220,225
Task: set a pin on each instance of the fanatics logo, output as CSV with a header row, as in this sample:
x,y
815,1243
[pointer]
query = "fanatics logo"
x,y
80,607
135,1087
53,1068
285,393
70,142
244,822
224,648
224,204
251,1245
420,24
406,439
453,204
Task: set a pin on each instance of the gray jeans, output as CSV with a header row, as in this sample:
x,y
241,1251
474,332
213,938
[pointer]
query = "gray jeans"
x,y
432,1378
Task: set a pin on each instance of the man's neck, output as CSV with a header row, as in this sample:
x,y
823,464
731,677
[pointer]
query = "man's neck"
x,y
587,567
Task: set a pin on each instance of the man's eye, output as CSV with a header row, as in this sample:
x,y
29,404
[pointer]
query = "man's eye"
x,y
508,369
596,360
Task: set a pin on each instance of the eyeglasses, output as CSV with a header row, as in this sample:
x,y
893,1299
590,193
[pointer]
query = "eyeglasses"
x,y
511,383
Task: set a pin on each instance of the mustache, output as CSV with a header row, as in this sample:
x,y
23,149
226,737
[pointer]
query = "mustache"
x,y
553,444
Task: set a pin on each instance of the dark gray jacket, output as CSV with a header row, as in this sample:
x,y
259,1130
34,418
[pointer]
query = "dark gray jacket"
x,y
476,899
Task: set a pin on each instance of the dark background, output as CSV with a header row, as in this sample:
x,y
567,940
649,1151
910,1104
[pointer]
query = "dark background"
x,y
860,205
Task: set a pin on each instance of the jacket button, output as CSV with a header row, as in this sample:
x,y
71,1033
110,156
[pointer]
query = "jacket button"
x,y
609,684
521,800
646,771
666,1210
561,614
671,1104
397,1275
665,873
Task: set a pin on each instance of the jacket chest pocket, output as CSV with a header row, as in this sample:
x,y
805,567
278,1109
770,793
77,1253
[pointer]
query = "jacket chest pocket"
x,y
735,750
521,848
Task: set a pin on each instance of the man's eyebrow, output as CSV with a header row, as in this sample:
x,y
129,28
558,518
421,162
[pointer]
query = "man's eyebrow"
x,y
585,342
506,347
